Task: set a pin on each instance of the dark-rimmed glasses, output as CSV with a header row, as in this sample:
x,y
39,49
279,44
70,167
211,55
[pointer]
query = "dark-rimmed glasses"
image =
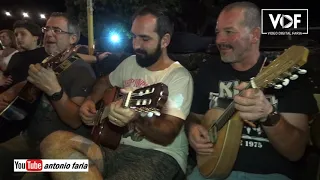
x,y
55,30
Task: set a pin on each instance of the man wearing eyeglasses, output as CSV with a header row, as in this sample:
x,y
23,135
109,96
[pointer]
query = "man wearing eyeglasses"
x,y
58,107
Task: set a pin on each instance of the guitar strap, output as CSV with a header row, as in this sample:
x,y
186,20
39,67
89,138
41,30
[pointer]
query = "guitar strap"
x,y
65,64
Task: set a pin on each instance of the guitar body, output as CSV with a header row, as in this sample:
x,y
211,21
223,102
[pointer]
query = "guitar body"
x,y
314,131
20,105
106,133
219,164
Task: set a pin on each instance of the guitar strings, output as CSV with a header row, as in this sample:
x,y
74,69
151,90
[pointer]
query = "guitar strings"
x,y
135,94
225,117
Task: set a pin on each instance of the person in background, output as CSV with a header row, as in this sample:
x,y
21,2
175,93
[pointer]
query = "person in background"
x,y
28,36
8,48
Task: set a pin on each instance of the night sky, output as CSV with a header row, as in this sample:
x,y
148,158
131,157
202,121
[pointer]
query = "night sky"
x,y
35,7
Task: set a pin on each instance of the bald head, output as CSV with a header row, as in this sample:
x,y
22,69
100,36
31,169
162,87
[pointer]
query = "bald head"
x,y
251,13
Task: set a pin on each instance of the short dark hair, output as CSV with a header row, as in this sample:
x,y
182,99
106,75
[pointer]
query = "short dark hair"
x,y
252,16
73,25
32,27
164,22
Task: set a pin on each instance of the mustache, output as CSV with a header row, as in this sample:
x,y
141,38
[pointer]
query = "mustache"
x,y
224,46
140,51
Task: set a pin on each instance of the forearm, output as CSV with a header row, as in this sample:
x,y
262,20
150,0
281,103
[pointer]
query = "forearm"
x,y
87,58
99,88
158,129
287,139
193,119
68,111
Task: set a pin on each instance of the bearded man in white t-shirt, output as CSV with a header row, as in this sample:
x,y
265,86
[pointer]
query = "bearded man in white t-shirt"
x,y
161,152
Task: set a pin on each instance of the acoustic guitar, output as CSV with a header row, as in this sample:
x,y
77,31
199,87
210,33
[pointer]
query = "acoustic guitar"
x,y
149,99
225,125
27,94
314,131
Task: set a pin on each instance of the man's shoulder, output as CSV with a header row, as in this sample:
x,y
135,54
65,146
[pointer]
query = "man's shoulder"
x,y
131,60
179,70
81,64
129,63
211,66
79,68
39,50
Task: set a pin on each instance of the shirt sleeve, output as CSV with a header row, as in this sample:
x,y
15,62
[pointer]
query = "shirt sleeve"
x,y
81,83
180,95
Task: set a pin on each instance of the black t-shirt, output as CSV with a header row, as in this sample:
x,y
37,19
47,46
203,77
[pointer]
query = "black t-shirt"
x,y
19,64
77,81
214,87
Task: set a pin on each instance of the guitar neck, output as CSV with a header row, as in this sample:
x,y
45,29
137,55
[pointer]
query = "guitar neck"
x,y
29,92
226,116
230,110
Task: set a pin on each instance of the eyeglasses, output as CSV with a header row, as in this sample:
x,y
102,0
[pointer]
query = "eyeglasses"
x,y
55,30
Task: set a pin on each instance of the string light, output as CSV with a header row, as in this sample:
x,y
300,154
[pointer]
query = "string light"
x,y
25,15
8,13
42,16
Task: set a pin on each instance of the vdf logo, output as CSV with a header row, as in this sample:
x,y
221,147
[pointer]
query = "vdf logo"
x,y
284,21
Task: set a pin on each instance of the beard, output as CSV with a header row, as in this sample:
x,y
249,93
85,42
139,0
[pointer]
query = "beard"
x,y
145,60
234,55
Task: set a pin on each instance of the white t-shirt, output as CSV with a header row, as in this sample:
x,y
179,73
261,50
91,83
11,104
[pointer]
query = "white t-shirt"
x,y
7,58
180,87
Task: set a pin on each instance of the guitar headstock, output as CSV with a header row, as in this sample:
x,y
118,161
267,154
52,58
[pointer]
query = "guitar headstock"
x,y
147,99
54,60
283,68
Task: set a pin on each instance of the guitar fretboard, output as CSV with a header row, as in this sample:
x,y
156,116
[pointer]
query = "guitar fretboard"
x,y
224,118
228,113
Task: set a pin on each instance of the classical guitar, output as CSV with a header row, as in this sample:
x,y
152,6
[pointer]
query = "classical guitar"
x,y
18,108
225,125
149,99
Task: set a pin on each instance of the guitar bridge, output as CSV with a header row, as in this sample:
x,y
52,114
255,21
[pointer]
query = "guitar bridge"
x,y
213,135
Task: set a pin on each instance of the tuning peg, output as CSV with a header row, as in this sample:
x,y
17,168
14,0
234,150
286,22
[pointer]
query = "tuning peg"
x,y
285,82
300,71
278,86
143,114
157,113
294,77
275,86
150,114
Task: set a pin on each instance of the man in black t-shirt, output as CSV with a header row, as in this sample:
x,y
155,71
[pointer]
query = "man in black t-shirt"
x,y
269,150
28,35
